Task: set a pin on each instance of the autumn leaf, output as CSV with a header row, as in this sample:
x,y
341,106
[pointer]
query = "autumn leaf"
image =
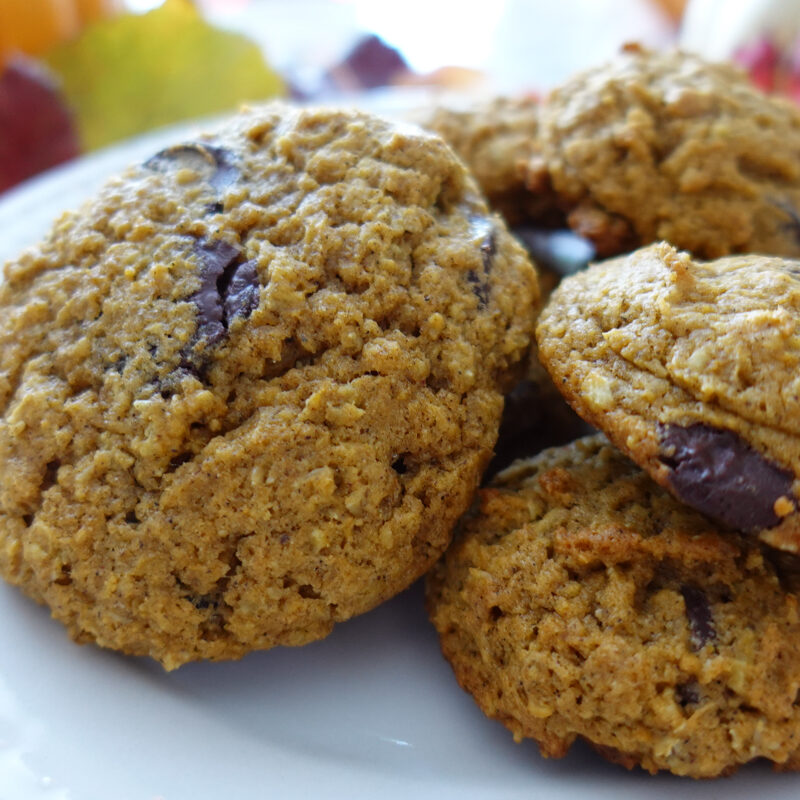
x,y
136,72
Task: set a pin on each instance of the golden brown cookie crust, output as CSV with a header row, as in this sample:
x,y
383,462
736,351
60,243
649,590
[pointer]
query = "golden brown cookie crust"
x,y
664,145
247,390
581,600
654,347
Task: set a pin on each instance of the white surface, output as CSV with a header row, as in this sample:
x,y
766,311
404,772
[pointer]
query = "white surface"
x,y
371,712
512,41
718,28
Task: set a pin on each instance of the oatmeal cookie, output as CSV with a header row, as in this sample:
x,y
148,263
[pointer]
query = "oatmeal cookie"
x,y
582,601
693,370
668,146
496,139
246,391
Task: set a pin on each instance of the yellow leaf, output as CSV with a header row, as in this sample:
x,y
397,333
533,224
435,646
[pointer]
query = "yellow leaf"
x,y
132,73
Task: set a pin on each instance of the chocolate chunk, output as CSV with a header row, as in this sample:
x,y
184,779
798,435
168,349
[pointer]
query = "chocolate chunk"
x,y
688,694
399,465
561,251
202,602
483,230
716,472
215,164
215,257
228,288
227,172
177,461
698,612
241,292
479,287
488,249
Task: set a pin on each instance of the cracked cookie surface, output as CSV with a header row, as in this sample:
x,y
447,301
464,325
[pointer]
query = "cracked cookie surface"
x,y
580,600
246,391
667,146
691,368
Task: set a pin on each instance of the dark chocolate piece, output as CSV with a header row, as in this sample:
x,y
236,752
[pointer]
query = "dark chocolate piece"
x,y
483,229
177,461
688,694
561,251
202,602
399,465
215,257
488,249
228,288
241,292
719,474
698,612
216,164
479,288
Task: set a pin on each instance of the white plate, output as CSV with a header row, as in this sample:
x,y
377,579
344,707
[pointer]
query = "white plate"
x,y
371,712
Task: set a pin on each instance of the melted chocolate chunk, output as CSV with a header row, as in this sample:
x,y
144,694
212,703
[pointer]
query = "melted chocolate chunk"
x,y
216,164
215,257
241,292
561,251
719,474
698,612
484,230
228,288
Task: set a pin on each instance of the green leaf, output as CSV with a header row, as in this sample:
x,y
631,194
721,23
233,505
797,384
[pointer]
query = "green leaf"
x,y
134,72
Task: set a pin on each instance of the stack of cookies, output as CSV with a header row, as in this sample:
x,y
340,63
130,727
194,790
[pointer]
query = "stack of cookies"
x,y
638,588
249,390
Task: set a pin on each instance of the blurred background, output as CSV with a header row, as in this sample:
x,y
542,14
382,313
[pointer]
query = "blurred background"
x,y
78,75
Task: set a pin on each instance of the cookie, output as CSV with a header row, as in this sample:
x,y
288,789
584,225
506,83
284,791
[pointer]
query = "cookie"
x,y
582,601
496,139
246,391
691,369
666,146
